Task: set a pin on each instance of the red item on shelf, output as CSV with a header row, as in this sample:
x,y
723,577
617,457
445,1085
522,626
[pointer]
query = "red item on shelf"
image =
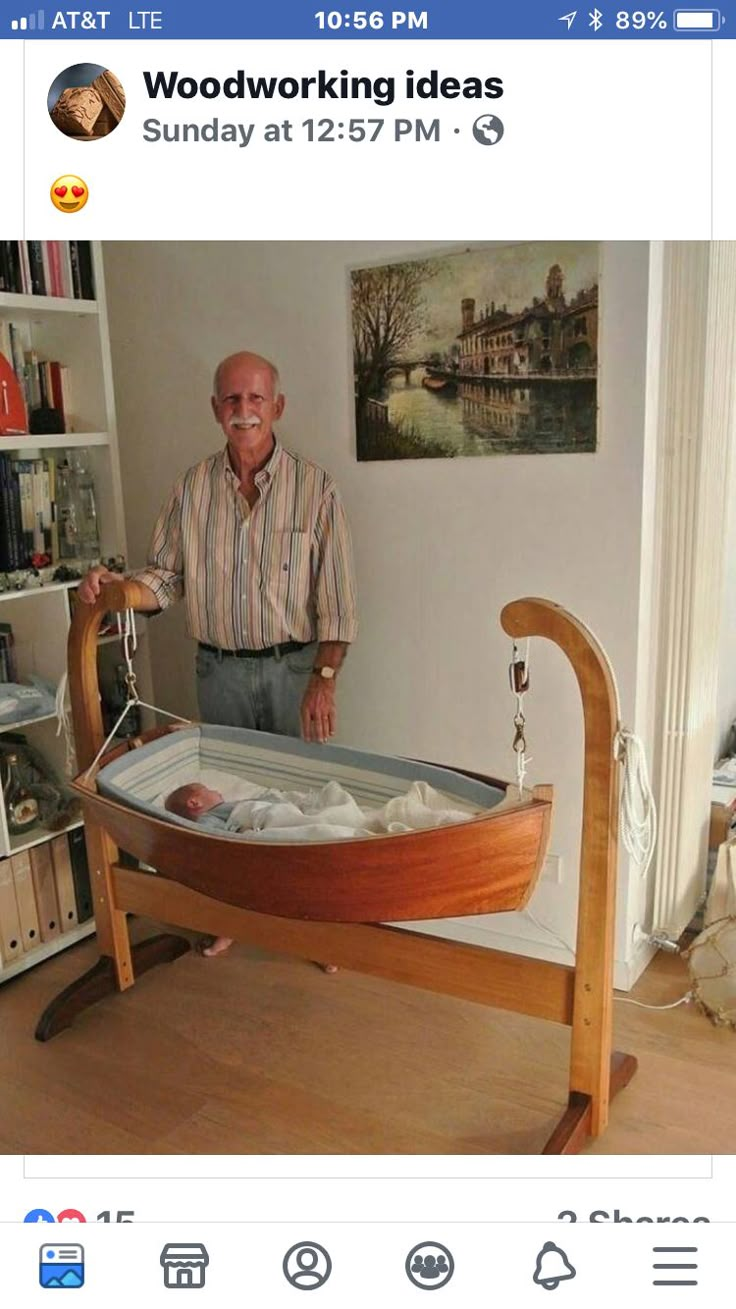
x,y
13,421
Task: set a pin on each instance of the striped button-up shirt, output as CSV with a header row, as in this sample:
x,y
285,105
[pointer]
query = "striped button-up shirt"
x,y
253,578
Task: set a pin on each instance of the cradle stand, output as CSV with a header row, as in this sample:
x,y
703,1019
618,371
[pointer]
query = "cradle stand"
x,y
580,996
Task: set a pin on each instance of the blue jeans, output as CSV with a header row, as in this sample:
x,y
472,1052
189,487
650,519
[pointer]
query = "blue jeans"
x,y
263,694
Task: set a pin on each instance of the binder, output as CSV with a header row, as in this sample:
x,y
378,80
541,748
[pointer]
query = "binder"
x,y
68,917
25,898
42,872
11,940
80,874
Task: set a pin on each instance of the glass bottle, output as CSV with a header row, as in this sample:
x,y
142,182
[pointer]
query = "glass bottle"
x,y
67,511
84,489
21,808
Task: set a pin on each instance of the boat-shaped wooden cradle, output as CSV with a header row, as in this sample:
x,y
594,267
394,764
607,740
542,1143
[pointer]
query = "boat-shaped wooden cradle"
x,y
332,900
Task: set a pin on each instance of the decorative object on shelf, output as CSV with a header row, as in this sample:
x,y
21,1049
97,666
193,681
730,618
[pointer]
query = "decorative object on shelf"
x,y
46,421
67,511
13,420
89,536
56,806
21,808
66,574
76,508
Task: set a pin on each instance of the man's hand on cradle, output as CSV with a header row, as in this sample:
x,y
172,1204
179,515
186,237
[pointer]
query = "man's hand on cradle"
x,y
318,711
89,587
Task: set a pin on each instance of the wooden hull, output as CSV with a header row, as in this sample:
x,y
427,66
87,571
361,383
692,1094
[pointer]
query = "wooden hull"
x,y
486,865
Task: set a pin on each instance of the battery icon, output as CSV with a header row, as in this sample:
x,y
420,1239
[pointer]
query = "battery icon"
x,y
697,20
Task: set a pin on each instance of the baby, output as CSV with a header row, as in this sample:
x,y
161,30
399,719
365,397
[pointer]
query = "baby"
x,y
201,804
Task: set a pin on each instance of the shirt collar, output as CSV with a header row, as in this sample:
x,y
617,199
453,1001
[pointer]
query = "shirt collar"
x,y
265,475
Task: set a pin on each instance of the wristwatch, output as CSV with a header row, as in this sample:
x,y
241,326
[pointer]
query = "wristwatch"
x,y
326,672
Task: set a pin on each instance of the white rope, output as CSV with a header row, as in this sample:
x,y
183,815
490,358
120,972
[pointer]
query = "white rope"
x,y
129,705
127,632
638,810
63,725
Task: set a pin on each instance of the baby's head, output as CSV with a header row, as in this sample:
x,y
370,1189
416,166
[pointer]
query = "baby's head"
x,y
192,800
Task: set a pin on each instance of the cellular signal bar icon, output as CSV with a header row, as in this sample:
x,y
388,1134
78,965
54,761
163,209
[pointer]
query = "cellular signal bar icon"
x,y
31,23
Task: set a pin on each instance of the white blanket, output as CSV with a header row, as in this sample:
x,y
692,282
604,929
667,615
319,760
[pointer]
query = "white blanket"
x,y
331,812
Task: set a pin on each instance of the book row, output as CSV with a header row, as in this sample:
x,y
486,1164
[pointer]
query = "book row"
x,y
48,512
28,525
44,893
44,383
56,268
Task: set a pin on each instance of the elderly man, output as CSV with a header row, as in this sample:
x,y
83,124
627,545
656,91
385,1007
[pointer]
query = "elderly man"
x,y
255,539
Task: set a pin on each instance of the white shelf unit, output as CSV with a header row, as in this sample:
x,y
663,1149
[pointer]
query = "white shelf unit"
x,y
74,332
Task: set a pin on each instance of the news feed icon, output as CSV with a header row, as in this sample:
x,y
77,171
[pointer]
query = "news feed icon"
x,y
61,1267
29,23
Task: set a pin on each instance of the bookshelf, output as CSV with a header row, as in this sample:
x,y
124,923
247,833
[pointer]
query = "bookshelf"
x,y
75,333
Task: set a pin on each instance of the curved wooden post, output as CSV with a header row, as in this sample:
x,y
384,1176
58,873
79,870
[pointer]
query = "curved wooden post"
x,y
115,969
590,1060
84,686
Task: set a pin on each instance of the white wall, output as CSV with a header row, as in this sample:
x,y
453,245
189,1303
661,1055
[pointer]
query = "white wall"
x,y
726,711
440,545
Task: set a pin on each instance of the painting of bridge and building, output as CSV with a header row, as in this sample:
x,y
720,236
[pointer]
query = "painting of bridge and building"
x,y
490,351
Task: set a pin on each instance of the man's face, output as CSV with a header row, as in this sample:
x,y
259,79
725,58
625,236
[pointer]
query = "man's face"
x,y
245,405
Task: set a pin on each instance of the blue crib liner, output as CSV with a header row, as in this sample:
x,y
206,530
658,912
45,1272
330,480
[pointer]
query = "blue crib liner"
x,y
158,767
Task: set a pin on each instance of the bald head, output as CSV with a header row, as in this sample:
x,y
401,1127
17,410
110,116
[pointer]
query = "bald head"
x,y
246,403
243,359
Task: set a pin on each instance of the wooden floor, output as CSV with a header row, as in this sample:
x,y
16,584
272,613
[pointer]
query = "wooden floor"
x,y
251,1053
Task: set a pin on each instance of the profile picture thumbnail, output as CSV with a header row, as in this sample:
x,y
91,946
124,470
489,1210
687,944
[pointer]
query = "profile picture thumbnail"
x,y
86,101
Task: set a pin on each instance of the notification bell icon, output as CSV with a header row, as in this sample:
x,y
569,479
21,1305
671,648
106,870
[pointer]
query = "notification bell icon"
x,y
553,1267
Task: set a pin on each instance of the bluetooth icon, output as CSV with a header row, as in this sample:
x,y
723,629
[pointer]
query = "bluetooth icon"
x,y
596,19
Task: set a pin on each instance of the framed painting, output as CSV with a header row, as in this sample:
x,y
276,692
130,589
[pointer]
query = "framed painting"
x,y
484,352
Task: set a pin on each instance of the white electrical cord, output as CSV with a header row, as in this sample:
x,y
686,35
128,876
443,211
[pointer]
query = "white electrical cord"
x,y
684,999
638,810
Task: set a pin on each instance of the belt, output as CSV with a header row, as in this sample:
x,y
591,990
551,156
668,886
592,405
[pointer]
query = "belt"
x,y
268,652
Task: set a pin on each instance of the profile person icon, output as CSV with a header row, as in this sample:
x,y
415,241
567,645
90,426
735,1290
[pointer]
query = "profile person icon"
x,y
307,1266
306,1273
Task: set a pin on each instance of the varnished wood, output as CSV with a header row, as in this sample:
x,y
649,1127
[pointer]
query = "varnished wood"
x,y
84,690
592,1021
101,980
576,1124
481,866
574,1127
469,972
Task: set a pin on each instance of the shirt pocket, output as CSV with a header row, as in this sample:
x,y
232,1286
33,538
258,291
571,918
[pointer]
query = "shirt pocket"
x,y
286,569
